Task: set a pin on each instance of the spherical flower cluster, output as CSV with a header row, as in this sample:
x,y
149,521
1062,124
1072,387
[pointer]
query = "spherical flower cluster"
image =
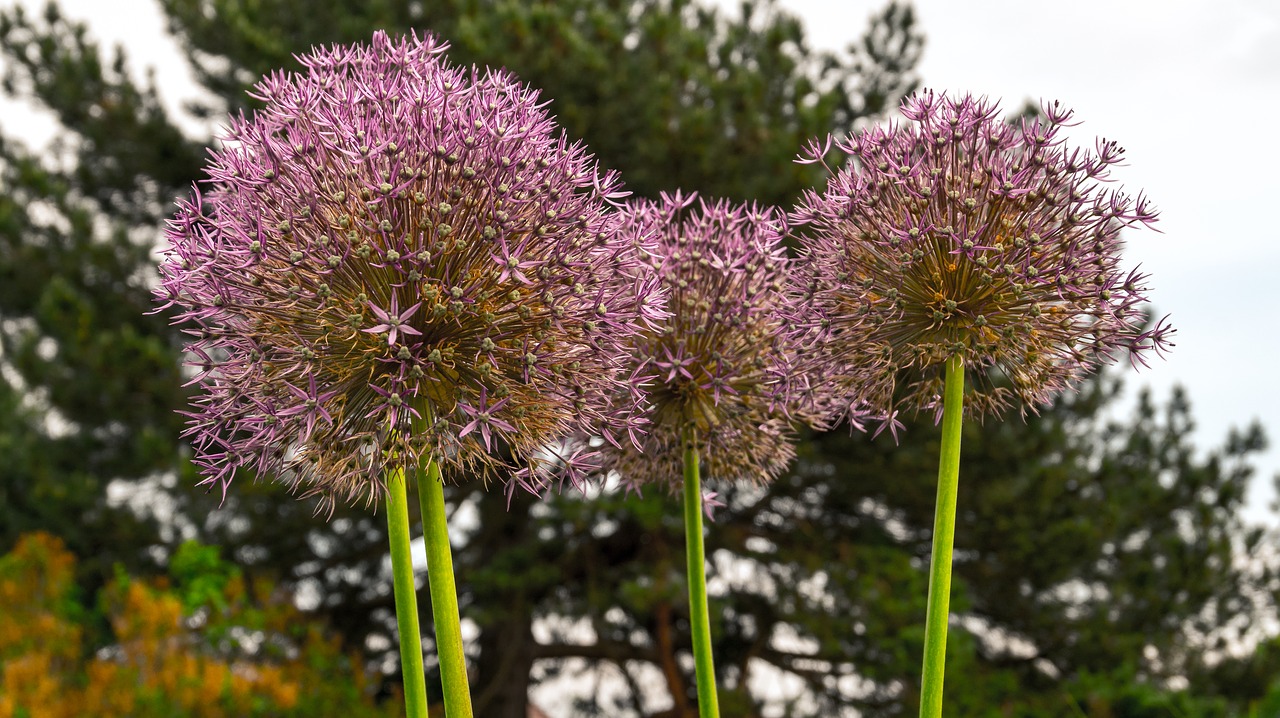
x,y
959,234
395,260
725,370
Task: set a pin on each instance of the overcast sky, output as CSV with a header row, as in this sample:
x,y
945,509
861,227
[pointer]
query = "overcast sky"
x,y
1190,88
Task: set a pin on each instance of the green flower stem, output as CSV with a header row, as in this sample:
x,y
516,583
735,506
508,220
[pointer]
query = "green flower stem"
x,y
700,623
415,687
944,528
444,595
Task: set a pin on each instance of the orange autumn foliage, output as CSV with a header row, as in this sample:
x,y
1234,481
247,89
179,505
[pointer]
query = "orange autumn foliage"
x,y
200,650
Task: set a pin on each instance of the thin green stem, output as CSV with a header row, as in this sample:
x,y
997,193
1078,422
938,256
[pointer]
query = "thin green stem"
x,y
444,595
700,623
415,687
944,526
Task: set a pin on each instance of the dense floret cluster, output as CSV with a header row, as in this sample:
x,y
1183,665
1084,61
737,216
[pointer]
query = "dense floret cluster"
x,y
394,260
958,233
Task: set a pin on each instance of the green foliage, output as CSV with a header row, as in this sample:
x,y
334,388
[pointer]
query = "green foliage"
x,y
228,656
1269,705
89,381
201,576
1103,695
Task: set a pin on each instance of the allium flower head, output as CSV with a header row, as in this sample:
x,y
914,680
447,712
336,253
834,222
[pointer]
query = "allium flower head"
x,y
725,365
957,233
397,259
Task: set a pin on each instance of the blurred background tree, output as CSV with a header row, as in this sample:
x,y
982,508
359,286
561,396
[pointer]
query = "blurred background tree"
x,y
1100,563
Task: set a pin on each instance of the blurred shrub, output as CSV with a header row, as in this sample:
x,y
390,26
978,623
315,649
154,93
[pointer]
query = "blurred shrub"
x,y
202,643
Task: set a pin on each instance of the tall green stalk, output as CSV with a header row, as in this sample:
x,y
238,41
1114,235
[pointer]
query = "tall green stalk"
x,y
415,687
944,527
444,595
700,623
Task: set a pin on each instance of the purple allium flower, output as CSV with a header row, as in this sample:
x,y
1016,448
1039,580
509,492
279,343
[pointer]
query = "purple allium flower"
x,y
398,259
725,364
959,233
